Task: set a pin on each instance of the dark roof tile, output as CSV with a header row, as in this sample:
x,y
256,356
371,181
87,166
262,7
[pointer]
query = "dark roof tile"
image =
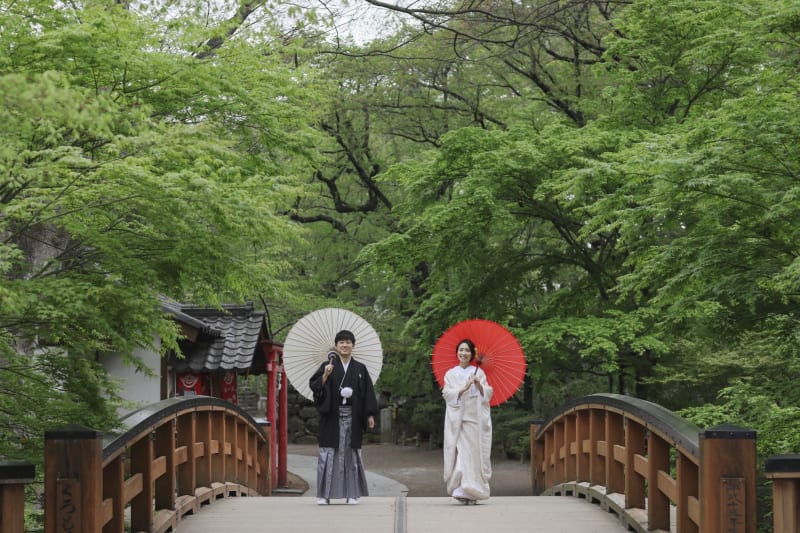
x,y
239,329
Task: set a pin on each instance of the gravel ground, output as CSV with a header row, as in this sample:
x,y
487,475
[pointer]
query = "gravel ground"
x,y
420,469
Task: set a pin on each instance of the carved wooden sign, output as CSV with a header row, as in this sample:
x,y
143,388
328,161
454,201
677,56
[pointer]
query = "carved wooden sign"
x,y
734,519
68,505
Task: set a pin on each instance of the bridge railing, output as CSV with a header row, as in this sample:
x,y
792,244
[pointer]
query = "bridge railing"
x,y
172,457
652,468
655,470
14,476
784,471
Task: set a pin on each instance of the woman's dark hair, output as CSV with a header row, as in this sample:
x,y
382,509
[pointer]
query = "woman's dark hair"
x,y
345,335
471,347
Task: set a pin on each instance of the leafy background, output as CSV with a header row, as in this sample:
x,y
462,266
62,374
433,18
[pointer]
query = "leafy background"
x,y
617,183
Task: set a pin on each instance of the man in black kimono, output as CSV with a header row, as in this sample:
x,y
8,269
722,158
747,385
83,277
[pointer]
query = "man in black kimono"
x,y
345,399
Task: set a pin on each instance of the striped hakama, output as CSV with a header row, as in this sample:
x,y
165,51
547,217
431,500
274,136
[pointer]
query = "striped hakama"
x,y
340,471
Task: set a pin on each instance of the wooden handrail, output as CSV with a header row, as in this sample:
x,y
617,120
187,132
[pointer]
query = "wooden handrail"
x,y
654,469
171,458
784,471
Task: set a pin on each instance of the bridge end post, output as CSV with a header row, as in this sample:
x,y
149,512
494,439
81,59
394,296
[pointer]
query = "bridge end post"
x,y
73,479
727,479
784,471
537,456
14,475
265,459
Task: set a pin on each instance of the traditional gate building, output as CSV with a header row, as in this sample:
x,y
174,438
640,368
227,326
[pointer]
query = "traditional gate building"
x,y
218,347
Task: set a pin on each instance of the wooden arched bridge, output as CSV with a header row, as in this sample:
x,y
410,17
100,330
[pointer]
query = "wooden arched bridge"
x,y
615,456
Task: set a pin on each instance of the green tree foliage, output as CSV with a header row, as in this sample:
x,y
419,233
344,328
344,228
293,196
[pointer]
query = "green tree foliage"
x,y
615,182
140,154
648,247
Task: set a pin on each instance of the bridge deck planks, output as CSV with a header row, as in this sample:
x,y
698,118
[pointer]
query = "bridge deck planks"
x,y
417,515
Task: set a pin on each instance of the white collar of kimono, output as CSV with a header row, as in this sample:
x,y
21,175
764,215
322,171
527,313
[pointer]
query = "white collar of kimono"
x,y
465,373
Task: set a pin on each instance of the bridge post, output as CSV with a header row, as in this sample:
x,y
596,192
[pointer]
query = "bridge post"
x,y
784,471
615,437
658,506
186,473
727,480
597,435
265,459
537,457
73,479
582,436
635,485
14,475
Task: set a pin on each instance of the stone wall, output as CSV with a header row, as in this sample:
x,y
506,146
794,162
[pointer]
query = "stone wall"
x,y
303,418
248,400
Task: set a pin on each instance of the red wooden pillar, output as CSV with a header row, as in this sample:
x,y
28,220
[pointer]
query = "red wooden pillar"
x,y
73,479
283,431
272,387
274,352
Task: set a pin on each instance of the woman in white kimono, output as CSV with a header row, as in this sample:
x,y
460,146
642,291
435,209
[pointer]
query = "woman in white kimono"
x,y
467,428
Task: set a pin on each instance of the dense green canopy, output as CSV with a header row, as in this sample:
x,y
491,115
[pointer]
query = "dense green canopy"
x,y
133,163
617,183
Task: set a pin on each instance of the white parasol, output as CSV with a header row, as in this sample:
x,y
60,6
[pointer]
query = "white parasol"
x,y
311,338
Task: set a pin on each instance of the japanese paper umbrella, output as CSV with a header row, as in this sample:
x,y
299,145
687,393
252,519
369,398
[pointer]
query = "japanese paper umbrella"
x,y
311,338
498,351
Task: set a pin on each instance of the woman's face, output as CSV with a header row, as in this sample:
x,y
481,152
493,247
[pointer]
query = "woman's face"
x,y
464,354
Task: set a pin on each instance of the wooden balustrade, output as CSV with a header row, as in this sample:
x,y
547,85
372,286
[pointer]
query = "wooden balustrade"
x,y
172,458
784,471
653,469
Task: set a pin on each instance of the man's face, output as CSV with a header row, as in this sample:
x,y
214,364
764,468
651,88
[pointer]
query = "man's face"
x,y
344,347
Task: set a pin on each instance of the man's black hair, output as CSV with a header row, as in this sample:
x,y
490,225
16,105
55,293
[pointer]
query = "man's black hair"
x,y
345,335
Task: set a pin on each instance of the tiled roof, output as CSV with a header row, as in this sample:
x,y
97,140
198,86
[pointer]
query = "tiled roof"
x,y
229,339
174,308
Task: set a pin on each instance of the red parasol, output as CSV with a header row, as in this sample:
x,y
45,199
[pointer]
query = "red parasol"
x,y
499,352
